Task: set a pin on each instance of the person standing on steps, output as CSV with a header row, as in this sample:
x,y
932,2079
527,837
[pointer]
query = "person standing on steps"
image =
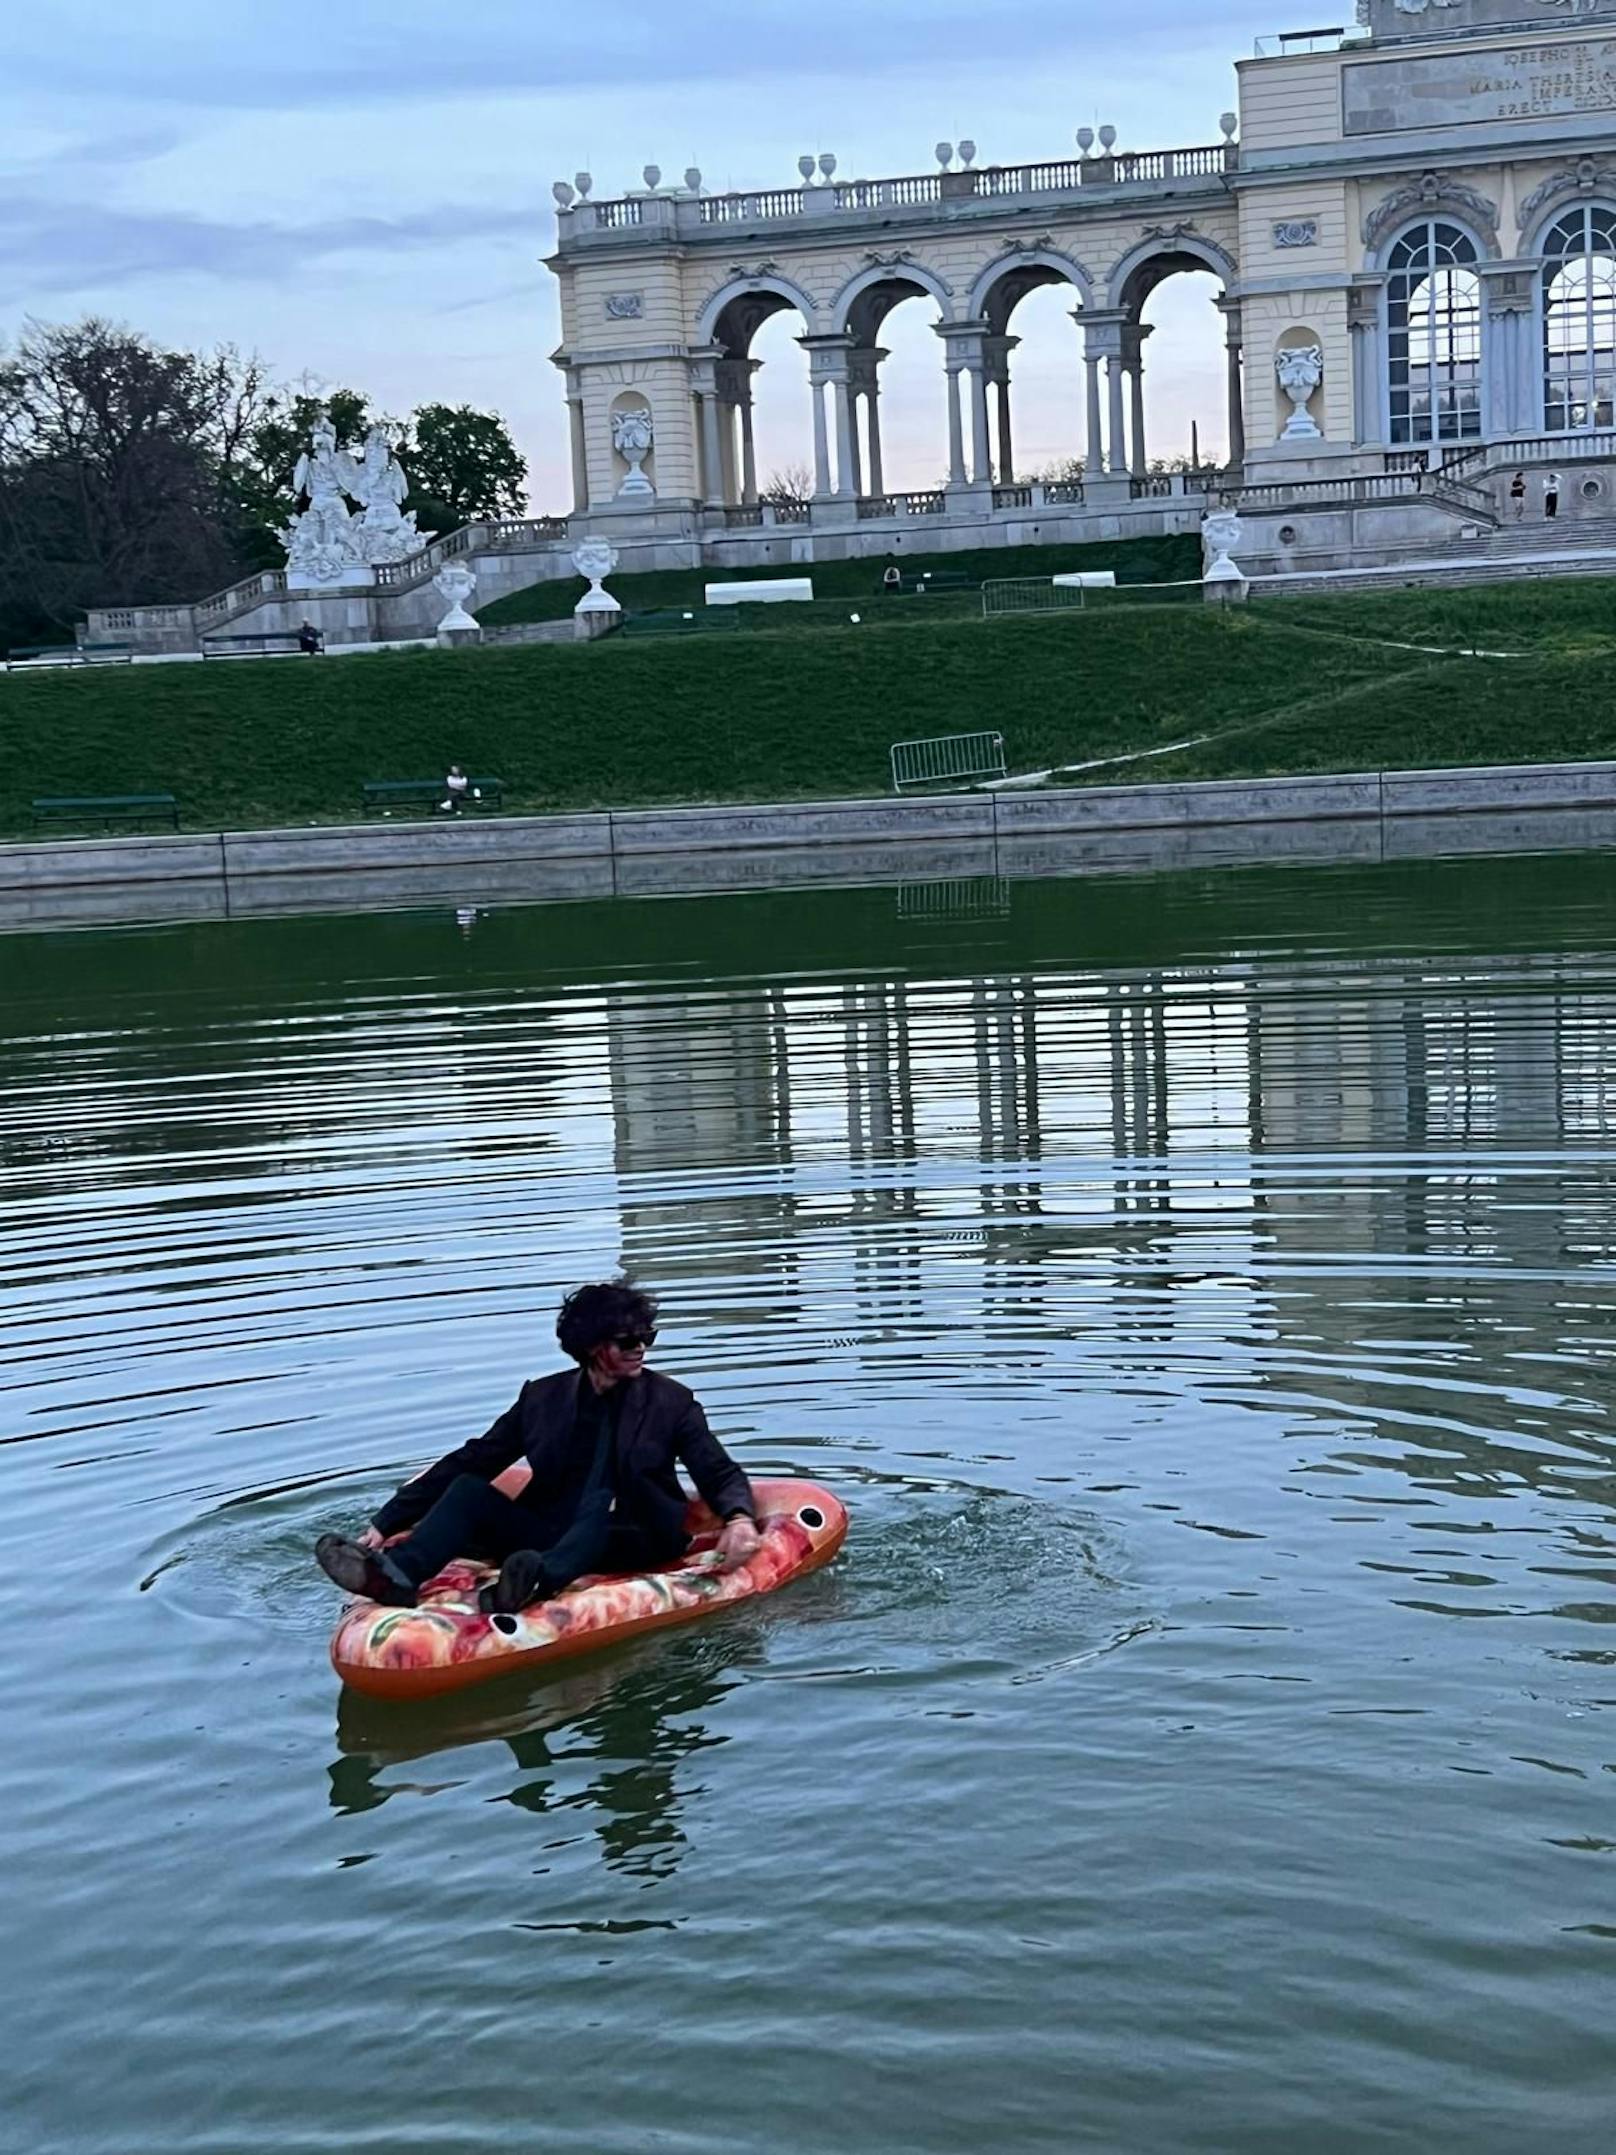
x,y
1517,495
1551,495
603,1442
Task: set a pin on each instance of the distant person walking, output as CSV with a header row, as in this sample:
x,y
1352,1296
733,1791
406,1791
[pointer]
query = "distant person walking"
x,y
1551,494
309,641
1517,495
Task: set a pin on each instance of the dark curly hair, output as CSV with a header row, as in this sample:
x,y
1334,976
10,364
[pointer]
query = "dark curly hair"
x,y
598,1312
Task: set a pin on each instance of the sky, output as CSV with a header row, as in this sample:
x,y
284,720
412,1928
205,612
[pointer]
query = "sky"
x,y
360,192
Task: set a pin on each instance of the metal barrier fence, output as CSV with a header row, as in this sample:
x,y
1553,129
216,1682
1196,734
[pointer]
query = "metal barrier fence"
x,y
955,898
947,756
1037,595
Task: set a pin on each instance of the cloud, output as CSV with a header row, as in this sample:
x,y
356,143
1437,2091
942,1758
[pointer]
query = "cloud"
x,y
50,246
301,54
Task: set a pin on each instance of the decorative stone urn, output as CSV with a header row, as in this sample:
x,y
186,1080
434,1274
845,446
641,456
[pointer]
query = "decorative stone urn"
x,y
1220,535
632,438
1300,368
457,583
595,559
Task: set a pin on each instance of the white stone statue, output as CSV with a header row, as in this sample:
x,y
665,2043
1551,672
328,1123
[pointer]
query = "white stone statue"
x,y
327,544
1220,535
595,559
456,582
632,435
1300,368
379,485
321,546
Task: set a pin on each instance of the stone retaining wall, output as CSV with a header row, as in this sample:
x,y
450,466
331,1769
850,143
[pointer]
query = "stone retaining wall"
x,y
643,851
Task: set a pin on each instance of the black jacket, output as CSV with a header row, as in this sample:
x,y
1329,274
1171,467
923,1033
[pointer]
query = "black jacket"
x,y
660,1423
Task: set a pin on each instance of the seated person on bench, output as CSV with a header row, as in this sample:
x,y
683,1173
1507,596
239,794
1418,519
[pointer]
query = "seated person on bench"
x,y
604,1494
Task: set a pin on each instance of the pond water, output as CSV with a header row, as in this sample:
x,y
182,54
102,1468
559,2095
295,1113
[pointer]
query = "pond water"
x,y
1201,1291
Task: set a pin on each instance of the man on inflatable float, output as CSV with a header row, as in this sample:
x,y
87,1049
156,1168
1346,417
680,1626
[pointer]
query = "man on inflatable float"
x,y
603,1495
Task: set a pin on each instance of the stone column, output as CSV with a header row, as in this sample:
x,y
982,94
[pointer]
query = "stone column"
x,y
962,349
1232,339
956,431
827,369
1133,358
996,351
1094,448
749,486
1117,460
864,373
1102,345
981,448
705,371
734,379
816,391
580,454
1368,374
1511,366
848,409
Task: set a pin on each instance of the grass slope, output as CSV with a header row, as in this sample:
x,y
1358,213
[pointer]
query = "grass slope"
x,y
782,713
1136,561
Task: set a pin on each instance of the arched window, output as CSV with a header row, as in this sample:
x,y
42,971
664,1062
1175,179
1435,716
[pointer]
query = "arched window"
x,y
1433,335
1579,320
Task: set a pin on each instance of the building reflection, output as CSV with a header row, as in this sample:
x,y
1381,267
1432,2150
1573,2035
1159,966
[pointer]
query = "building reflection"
x,y
1334,1141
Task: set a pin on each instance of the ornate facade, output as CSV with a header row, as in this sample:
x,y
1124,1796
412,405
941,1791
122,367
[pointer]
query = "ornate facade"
x,y
1413,222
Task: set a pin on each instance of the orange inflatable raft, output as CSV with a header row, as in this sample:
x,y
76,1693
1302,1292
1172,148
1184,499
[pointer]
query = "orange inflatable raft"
x,y
446,1643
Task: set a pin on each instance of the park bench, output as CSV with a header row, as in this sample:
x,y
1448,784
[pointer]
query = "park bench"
x,y
70,654
944,580
380,796
108,808
947,756
280,643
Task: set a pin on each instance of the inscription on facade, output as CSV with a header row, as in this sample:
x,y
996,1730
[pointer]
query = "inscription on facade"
x,y
1453,89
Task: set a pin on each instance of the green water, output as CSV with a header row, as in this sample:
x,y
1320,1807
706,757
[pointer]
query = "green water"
x,y
1200,1289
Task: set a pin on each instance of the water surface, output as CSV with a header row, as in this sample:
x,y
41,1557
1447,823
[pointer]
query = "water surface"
x,y
1200,1289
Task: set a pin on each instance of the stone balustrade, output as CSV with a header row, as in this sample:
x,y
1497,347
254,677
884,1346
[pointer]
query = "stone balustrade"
x,y
694,216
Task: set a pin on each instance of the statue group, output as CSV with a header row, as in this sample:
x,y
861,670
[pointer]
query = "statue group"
x,y
327,542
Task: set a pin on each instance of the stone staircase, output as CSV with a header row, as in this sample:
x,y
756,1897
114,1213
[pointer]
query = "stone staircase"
x,y
1536,535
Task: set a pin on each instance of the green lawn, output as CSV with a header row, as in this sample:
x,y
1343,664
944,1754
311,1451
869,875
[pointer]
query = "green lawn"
x,y
801,711
1136,561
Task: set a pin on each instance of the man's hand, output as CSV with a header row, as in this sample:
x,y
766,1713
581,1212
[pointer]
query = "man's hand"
x,y
738,1541
370,1539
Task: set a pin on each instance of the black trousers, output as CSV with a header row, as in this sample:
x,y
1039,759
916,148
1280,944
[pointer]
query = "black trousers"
x,y
472,1518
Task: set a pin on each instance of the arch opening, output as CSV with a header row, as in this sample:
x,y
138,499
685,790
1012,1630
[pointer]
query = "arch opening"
x,y
1037,433
886,389
1175,298
751,406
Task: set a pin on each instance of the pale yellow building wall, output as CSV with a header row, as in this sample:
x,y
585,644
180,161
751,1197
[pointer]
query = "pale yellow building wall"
x,y
1287,104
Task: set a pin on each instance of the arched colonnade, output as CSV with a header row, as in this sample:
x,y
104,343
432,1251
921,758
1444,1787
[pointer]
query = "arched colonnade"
x,y
841,337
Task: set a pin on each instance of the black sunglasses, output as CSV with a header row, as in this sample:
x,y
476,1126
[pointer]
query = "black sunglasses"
x,y
629,1342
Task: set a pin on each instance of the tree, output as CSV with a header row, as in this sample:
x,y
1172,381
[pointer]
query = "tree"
x,y
463,467
115,471
789,487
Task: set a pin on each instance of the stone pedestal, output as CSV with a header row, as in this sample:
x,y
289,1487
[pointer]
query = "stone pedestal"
x,y
593,621
453,638
360,577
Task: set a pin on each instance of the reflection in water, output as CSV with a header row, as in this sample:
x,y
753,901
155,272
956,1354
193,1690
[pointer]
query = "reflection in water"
x,y
1200,1289
630,1718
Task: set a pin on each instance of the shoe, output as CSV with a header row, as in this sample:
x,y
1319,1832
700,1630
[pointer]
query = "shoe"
x,y
363,1572
522,1579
